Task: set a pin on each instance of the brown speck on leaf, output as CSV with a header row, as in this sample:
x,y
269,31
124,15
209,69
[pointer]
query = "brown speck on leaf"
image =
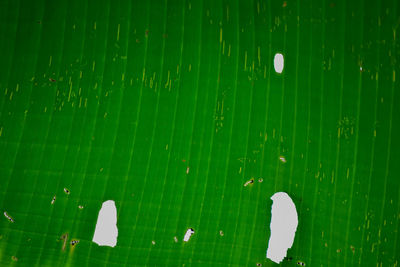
x,y
137,41
52,80
14,258
65,238
284,4
146,33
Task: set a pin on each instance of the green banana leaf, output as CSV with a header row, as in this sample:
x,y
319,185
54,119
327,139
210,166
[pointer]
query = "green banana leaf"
x,y
168,107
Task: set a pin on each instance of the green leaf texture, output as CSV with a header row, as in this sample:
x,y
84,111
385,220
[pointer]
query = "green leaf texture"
x,y
168,107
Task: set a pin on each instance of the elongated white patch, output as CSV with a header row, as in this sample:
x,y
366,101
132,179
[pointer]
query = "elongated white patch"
x,y
106,231
188,234
8,217
283,226
278,62
249,182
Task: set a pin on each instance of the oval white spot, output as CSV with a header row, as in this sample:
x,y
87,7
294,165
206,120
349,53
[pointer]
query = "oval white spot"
x,y
106,232
278,62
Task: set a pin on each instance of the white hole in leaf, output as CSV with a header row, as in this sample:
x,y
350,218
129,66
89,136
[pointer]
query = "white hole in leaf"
x,y
8,217
278,62
106,231
283,226
249,182
74,242
188,234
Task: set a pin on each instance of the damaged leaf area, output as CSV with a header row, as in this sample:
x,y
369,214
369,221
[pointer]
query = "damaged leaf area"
x,y
8,217
74,242
106,231
155,132
188,234
283,226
